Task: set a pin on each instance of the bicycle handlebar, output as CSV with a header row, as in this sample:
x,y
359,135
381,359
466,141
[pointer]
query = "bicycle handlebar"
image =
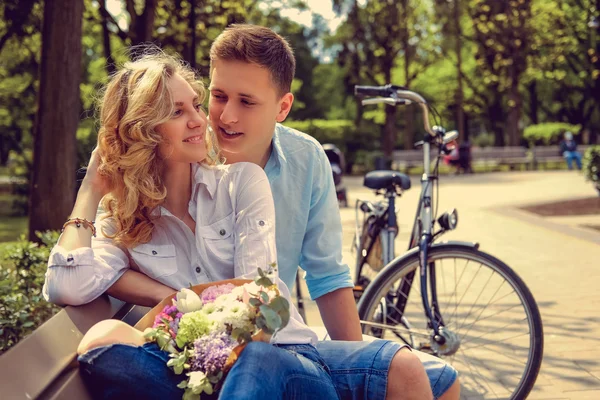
x,y
400,95
374,91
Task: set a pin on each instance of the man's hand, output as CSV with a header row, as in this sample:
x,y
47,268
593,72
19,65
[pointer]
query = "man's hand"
x,y
338,311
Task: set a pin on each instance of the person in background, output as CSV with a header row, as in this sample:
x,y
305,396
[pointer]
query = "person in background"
x,y
568,149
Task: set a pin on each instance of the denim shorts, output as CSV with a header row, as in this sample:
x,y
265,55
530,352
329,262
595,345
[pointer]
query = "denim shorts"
x,y
360,369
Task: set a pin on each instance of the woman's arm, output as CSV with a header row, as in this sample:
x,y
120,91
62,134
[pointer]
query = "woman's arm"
x,y
77,274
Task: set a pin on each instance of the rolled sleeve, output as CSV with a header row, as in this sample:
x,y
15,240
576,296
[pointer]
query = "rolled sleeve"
x,y
79,276
321,256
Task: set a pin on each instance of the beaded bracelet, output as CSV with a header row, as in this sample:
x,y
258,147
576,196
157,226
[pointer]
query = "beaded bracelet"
x,y
78,222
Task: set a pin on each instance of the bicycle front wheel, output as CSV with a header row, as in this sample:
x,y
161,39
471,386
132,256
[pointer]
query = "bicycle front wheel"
x,y
492,325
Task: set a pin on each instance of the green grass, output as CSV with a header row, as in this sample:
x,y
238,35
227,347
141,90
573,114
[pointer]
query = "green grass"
x,y
11,228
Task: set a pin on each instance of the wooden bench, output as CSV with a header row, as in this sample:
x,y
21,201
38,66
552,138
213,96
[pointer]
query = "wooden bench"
x,y
487,158
44,364
494,157
544,155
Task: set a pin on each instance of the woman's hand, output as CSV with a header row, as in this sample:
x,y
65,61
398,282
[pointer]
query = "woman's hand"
x,y
94,181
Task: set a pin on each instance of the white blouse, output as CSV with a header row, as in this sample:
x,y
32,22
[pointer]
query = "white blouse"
x,y
235,235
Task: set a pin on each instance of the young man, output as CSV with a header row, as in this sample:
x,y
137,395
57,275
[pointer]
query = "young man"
x,y
252,69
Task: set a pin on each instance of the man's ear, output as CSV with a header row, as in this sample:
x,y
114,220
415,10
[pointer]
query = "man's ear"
x,y
285,106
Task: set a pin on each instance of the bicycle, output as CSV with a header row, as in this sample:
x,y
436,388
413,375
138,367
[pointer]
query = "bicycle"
x,y
463,304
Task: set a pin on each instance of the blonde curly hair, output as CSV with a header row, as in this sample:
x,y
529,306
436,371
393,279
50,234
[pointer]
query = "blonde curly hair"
x,y
135,101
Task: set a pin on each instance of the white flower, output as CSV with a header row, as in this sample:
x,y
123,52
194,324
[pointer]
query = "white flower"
x,y
198,383
252,288
187,301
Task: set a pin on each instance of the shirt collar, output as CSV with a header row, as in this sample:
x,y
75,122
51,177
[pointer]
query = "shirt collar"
x,y
202,174
277,157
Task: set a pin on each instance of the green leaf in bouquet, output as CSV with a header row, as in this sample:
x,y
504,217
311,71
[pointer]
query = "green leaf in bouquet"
x,y
190,395
265,282
261,323
261,273
179,362
264,297
241,335
273,320
254,302
282,307
279,303
182,385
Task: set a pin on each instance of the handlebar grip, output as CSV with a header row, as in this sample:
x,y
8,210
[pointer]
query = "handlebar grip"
x,y
371,91
374,91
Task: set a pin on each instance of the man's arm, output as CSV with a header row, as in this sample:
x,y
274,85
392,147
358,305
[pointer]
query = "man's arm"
x,y
137,288
327,277
338,311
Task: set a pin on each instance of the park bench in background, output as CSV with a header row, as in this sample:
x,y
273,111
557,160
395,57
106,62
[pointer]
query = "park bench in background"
x,y
487,158
491,158
544,155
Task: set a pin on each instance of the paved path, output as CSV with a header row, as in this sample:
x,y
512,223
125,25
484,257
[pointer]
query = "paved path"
x,y
557,258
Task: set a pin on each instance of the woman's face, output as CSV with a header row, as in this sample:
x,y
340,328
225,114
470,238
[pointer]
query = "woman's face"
x,y
185,132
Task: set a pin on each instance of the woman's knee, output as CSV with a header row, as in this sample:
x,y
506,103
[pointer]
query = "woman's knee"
x,y
108,332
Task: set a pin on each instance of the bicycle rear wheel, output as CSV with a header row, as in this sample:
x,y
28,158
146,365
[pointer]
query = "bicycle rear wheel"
x,y
492,323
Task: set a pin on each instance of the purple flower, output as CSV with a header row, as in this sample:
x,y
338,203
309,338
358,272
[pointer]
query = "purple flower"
x,y
211,352
168,319
210,294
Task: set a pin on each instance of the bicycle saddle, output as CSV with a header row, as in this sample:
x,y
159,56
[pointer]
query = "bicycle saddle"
x,y
386,179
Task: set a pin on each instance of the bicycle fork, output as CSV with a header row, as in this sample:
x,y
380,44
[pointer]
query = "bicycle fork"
x,y
426,222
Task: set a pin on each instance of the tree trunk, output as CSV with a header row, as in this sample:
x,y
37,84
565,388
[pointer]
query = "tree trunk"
x,y
515,105
460,118
533,103
54,149
496,121
110,63
192,28
389,132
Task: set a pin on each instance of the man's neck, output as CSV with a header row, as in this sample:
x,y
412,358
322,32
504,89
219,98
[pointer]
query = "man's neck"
x,y
258,159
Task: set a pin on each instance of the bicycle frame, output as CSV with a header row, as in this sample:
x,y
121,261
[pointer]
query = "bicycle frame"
x,y
421,235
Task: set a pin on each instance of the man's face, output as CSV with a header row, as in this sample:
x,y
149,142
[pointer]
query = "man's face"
x,y
244,106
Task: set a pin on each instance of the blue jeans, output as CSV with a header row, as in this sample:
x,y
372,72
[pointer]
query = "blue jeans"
x,y
263,371
340,370
570,156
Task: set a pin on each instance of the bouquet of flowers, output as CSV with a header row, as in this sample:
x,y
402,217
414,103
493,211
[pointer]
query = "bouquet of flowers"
x,y
206,327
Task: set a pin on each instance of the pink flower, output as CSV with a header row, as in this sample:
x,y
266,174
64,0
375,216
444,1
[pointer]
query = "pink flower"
x,y
210,294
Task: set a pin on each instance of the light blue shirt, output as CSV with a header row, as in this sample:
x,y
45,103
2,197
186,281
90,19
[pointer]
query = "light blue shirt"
x,y
307,217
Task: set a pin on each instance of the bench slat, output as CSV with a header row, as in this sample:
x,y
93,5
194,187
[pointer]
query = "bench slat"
x,y
36,363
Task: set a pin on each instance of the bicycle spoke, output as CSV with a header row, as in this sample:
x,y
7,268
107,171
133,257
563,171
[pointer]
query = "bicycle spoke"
x,y
477,373
483,308
496,341
492,315
463,342
456,304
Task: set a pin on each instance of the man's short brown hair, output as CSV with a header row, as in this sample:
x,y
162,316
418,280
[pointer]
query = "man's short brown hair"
x,y
257,45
